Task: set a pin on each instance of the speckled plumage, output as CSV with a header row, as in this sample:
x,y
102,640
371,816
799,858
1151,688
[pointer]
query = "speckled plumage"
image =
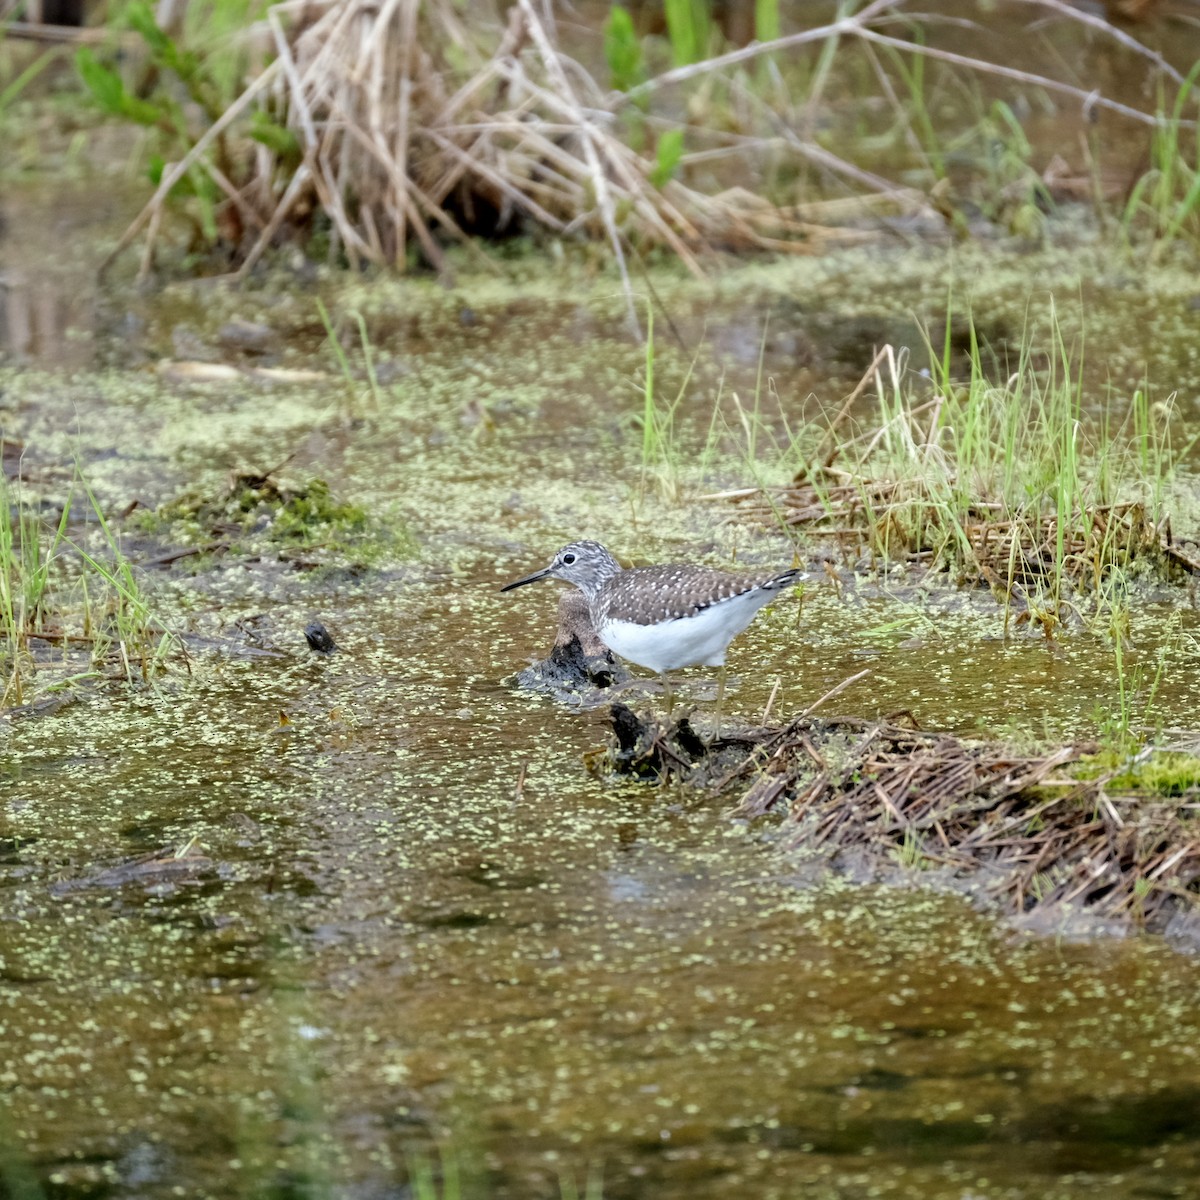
x,y
667,616
651,595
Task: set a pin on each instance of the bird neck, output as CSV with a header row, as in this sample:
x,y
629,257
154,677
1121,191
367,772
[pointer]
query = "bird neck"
x,y
603,569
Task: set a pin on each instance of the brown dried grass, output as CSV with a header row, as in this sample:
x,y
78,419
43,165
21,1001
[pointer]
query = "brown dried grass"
x,y
896,520
394,142
408,124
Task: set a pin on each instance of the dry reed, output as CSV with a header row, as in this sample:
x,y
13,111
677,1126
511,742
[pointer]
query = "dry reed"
x,y
408,129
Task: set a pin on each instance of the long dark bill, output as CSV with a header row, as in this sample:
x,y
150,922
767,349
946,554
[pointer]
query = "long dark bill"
x,y
508,587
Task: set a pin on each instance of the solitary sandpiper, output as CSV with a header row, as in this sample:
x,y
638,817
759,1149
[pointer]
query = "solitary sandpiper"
x,y
663,617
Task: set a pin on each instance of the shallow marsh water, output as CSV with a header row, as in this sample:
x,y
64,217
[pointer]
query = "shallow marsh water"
x,y
423,922
395,946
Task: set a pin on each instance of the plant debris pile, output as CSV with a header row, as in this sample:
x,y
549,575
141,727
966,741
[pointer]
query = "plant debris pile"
x,y
1032,833
899,520
256,502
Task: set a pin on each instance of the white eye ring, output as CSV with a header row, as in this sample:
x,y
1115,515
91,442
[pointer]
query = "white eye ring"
x,y
568,559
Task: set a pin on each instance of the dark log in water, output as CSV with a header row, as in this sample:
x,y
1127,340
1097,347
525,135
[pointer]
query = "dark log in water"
x,y
578,661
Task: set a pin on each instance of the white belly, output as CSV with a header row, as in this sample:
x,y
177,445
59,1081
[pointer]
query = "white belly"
x,y
685,641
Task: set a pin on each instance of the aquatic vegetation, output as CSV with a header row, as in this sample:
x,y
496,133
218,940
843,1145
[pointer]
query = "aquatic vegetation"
x,y
1126,728
623,50
689,27
259,502
59,588
127,628
662,454
26,551
305,514
1167,197
353,386
1158,771
430,1181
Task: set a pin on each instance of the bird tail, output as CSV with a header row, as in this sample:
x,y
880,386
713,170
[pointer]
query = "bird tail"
x,y
786,579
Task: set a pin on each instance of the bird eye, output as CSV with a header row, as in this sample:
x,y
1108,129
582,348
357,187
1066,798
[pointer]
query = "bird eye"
x,y
568,559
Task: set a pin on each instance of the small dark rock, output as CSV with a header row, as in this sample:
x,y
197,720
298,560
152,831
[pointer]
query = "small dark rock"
x,y
627,728
319,638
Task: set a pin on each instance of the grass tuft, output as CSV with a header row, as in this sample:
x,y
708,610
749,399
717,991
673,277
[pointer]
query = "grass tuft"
x,y
62,591
1166,199
1012,480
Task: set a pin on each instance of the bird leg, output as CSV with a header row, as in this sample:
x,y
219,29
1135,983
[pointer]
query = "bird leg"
x,y
720,699
668,692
